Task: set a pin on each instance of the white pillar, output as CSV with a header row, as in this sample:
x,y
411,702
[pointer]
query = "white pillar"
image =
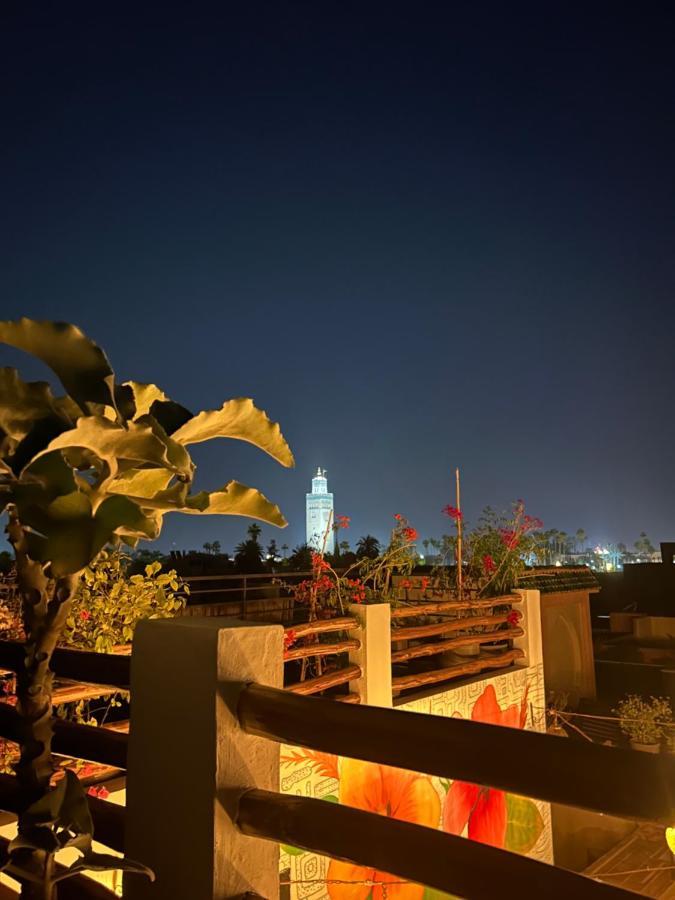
x,y
374,655
530,643
189,759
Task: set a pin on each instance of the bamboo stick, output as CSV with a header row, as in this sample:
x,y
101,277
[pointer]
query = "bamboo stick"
x,y
332,679
322,626
420,631
498,661
431,607
321,649
432,648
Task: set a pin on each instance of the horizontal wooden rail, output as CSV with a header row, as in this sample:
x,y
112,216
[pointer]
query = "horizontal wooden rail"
x,y
323,682
420,631
322,626
624,783
473,666
320,649
434,647
100,745
80,665
108,818
422,855
431,607
347,698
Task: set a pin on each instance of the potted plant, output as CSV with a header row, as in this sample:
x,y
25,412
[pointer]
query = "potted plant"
x,y
101,465
644,722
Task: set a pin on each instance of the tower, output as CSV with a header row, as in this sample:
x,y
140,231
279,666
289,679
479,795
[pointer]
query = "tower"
x,y
320,514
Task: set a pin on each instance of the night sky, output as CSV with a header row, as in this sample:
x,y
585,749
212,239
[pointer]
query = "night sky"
x,y
419,236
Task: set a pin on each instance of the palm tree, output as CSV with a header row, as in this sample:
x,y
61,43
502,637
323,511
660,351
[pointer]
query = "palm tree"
x,y
284,550
580,538
368,546
254,530
208,547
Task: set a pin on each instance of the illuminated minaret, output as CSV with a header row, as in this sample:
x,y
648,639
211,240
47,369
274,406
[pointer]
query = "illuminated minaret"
x,y
320,514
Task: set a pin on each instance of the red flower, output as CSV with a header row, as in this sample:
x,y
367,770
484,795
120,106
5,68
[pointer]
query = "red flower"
x,y
319,563
85,615
483,809
425,582
398,517
406,584
509,538
488,564
453,513
99,791
514,617
289,639
409,534
343,521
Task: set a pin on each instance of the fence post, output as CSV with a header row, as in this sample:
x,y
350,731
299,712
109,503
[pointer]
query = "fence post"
x,y
530,643
189,759
374,655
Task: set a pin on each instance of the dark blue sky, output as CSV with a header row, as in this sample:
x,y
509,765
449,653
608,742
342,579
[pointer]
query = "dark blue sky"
x,y
419,236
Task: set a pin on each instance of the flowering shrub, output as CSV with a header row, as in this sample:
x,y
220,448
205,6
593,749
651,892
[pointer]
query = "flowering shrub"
x,y
109,603
366,581
495,552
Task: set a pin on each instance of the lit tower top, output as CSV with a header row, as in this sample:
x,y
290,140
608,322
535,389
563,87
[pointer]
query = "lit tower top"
x,y
319,505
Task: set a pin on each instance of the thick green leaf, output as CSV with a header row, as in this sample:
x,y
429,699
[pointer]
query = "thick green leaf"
x,y
120,515
141,482
79,363
53,473
241,420
176,453
102,862
145,395
236,499
23,403
111,442
524,824
171,416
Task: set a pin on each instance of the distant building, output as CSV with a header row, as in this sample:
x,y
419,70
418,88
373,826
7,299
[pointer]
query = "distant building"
x,y
320,514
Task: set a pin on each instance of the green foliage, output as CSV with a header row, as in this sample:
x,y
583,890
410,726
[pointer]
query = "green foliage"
x,y
644,721
109,602
61,819
108,461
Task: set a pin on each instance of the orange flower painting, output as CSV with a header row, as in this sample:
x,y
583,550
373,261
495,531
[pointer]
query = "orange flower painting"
x,y
387,792
483,809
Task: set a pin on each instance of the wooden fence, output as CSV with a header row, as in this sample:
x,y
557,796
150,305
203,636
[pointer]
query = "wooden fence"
x,y
204,811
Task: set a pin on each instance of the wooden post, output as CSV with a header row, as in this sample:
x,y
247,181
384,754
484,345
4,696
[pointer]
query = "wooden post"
x,y
530,643
189,760
374,654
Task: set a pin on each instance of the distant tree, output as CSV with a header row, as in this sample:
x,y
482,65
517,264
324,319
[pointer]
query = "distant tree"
x,y
644,546
344,547
300,559
580,537
248,556
284,550
272,551
208,547
368,546
215,547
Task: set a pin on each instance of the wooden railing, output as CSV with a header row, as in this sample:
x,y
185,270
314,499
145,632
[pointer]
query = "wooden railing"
x,y
225,733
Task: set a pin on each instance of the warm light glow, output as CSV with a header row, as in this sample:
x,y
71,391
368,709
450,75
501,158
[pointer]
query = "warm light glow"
x,y
670,839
